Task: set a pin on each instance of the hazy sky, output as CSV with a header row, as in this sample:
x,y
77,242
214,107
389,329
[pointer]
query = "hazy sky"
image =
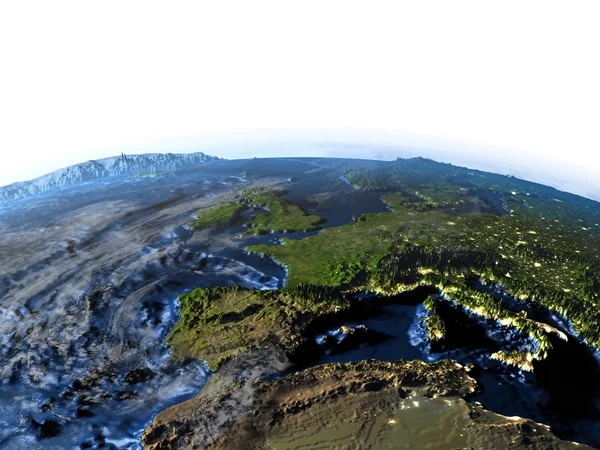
x,y
511,84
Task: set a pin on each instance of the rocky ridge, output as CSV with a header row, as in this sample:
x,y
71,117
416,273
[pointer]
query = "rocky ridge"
x,y
366,405
96,169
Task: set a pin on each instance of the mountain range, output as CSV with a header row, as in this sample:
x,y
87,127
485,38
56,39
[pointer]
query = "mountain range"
x,y
103,168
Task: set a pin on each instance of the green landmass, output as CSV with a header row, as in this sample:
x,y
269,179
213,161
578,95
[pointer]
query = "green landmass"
x,y
274,213
218,323
546,251
470,235
218,215
517,358
436,328
407,175
270,213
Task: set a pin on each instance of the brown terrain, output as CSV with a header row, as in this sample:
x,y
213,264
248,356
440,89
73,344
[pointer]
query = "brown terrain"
x,y
366,405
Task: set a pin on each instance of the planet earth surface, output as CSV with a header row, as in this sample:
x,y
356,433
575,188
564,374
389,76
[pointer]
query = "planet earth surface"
x,y
297,303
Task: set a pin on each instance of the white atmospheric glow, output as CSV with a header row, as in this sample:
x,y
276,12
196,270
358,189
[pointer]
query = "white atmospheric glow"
x,y
510,86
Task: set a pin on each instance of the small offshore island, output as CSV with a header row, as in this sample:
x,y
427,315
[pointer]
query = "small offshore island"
x,y
189,302
466,237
